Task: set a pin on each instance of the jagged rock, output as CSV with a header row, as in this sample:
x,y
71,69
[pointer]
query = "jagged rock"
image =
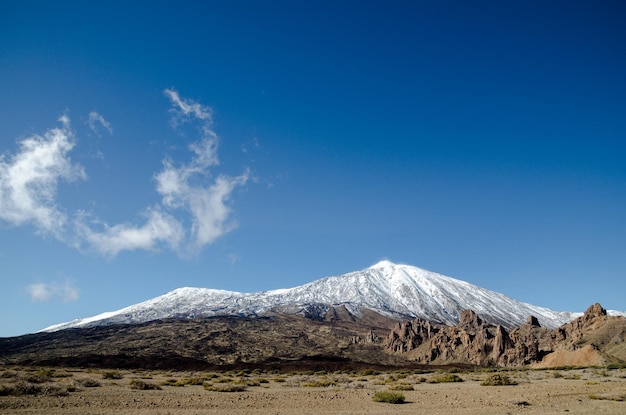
x,y
470,319
473,341
532,321
370,338
410,335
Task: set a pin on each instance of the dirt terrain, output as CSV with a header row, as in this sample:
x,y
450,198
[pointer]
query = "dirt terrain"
x,y
98,391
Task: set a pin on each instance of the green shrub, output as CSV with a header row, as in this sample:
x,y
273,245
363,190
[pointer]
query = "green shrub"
x,y
498,379
389,397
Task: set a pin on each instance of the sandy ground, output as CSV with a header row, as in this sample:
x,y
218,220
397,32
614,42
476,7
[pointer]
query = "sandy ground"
x,y
536,392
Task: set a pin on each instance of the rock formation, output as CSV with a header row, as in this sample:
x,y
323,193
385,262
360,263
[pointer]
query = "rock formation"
x,y
475,342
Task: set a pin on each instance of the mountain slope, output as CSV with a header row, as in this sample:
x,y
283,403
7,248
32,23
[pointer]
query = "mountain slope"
x,y
394,290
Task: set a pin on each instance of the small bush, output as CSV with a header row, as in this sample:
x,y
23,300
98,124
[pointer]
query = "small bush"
x,y
89,383
40,376
112,374
141,385
193,381
223,380
498,380
389,397
26,388
608,397
402,387
445,378
224,388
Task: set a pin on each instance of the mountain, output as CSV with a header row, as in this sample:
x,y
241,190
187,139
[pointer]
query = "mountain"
x,y
394,290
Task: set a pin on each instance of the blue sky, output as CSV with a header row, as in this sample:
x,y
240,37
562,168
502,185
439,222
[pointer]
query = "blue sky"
x,y
249,146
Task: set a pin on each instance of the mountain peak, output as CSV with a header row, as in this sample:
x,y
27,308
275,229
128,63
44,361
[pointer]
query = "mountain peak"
x,y
394,290
385,263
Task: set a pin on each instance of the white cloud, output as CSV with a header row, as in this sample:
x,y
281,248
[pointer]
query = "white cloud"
x,y
159,227
95,118
201,202
29,180
186,107
39,292
185,186
42,292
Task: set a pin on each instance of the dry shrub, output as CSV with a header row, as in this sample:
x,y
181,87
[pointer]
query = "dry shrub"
x,y
389,397
27,388
89,383
445,378
401,387
608,397
498,379
224,387
112,374
141,385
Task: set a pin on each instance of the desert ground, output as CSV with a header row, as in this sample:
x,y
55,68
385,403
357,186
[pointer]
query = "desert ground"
x,y
26,390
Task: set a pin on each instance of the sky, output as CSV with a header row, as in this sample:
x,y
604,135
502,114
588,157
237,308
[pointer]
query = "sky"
x,y
249,146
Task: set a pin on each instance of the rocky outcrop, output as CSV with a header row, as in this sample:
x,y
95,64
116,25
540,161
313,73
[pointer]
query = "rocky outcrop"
x,y
475,342
471,341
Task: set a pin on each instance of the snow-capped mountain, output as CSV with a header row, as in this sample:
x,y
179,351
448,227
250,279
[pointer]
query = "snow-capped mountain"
x,y
394,290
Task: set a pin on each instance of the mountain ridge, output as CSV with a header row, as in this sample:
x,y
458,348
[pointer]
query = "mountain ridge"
x,y
398,291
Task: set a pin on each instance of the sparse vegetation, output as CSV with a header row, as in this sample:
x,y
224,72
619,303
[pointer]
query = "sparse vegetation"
x,y
224,387
26,388
141,385
498,379
608,397
112,374
401,387
389,397
89,383
445,378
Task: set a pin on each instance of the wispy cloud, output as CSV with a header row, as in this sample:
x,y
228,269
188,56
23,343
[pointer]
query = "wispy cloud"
x,y
29,180
96,119
193,212
109,241
188,187
42,292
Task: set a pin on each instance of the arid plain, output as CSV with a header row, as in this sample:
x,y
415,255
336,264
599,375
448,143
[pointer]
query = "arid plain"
x,y
599,390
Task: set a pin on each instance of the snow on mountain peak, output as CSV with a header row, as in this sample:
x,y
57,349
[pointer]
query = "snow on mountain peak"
x,y
398,291
385,263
